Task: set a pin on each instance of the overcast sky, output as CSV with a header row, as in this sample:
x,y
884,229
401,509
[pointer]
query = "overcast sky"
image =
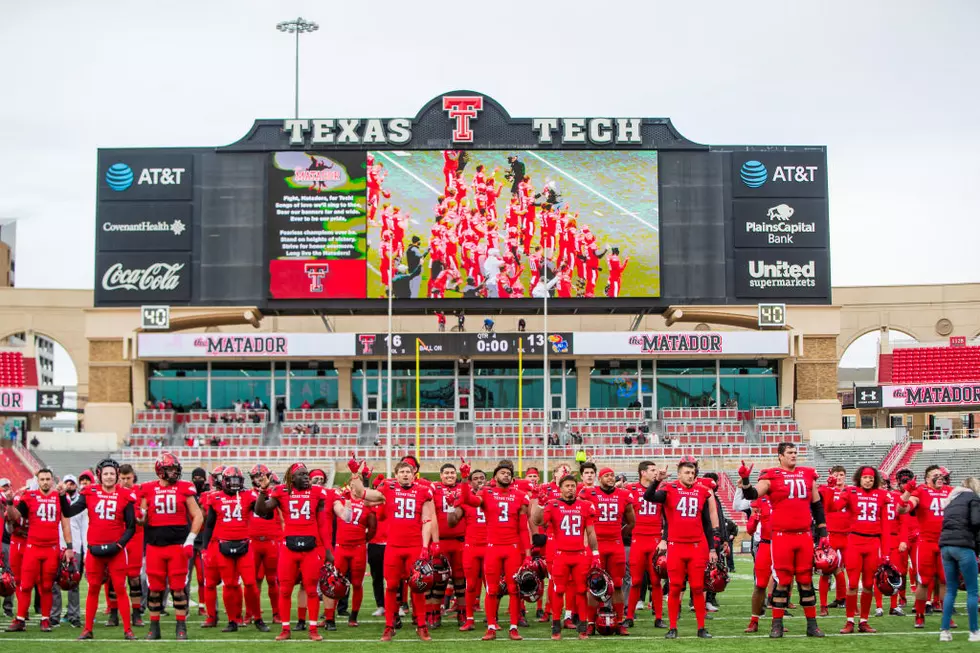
x,y
889,86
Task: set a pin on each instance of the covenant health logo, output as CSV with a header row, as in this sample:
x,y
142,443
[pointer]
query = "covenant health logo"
x,y
119,177
753,174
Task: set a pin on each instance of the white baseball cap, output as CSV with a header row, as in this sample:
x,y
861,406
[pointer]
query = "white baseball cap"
x,y
4,481
71,478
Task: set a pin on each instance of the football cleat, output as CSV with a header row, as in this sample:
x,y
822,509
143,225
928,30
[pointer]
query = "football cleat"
x,y
490,635
776,630
86,634
468,626
753,627
284,634
812,630
423,634
848,628
865,627
129,636
920,622
659,623
897,612
45,626
314,635
260,626
703,633
210,622
514,635
671,634
388,634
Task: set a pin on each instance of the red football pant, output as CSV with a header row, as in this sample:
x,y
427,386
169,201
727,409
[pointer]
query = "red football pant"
x,y
38,567
231,570
614,285
166,564
95,572
473,560
501,561
453,550
642,553
863,558
792,556
212,577
763,565
568,571
929,564
353,560
686,561
839,542
17,547
399,561
265,557
291,565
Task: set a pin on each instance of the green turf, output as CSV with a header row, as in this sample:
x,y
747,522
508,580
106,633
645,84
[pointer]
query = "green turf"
x,y
895,633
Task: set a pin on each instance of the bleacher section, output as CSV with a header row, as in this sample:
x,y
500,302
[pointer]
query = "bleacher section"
x,y
850,456
498,432
960,463
150,426
775,425
604,430
703,428
12,372
334,430
935,364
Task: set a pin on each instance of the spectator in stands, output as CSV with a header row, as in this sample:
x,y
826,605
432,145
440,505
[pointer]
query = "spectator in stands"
x,y
576,437
521,325
306,405
487,325
553,440
238,405
959,543
256,418
460,321
215,441
315,429
280,409
148,404
441,320
258,404
628,440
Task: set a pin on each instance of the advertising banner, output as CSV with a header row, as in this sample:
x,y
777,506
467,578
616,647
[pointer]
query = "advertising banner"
x,y
779,174
925,395
867,396
136,277
18,400
125,175
479,343
144,226
782,274
244,345
677,343
775,223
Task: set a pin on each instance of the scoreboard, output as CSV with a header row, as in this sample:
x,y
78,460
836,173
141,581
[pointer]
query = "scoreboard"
x,y
480,343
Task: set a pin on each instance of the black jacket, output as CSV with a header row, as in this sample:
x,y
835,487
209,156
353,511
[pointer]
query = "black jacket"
x,y
961,520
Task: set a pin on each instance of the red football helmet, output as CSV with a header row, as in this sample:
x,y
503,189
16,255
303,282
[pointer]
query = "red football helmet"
x,y
68,575
168,467
599,584
258,470
423,577
888,579
826,560
605,621
715,578
660,564
232,480
539,566
443,571
8,584
216,477
529,585
333,584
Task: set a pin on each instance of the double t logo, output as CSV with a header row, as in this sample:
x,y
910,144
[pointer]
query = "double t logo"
x,y
462,108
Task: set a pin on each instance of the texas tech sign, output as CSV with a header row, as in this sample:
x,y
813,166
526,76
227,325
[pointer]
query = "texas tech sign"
x,y
464,119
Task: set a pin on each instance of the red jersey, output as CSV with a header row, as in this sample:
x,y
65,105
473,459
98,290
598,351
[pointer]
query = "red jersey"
x,y
790,495
610,507
868,508
649,516
43,517
616,267
475,522
299,510
502,507
838,522
354,533
269,528
403,505
445,498
234,514
763,519
683,510
106,522
896,525
166,506
929,512
18,527
381,533
569,522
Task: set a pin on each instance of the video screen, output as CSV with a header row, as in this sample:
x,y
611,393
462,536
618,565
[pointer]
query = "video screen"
x,y
512,224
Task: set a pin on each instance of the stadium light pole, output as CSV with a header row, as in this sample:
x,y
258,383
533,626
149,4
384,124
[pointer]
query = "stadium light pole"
x,y
547,370
388,393
297,27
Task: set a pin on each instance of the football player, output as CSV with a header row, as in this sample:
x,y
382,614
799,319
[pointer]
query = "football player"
x,y
796,504
838,526
694,537
647,534
869,542
350,555
927,501
451,538
760,519
474,521
265,533
173,520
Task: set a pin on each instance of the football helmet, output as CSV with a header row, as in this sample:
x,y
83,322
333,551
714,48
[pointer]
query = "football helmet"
x,y
167,467
888,579
826,560
660,564
216,477
68,575
333,584
605,622
715,578
539,566
258,470
529,584
8,584
423,577
232,480
599,584
443,571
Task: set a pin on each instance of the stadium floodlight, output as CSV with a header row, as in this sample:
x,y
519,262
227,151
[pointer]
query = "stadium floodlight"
x,y
297,27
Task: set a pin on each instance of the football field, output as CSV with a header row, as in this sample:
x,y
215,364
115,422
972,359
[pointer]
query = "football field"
x,y
894,633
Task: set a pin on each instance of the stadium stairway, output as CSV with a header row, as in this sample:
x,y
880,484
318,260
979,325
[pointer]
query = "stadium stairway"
x,y
909,455
11,467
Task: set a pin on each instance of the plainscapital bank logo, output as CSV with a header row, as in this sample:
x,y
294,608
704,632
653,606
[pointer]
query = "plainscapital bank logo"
x,y
119,177
754,174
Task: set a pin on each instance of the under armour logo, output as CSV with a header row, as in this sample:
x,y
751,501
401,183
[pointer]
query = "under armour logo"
x,y
316,272
462,108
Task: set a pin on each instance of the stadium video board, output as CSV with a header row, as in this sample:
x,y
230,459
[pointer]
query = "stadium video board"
x,y
462,207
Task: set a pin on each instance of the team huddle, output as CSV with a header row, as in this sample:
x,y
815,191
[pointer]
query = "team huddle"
x,y
473,249
556,548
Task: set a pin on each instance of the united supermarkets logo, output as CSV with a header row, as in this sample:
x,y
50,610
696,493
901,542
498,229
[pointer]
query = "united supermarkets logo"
x,y
782,274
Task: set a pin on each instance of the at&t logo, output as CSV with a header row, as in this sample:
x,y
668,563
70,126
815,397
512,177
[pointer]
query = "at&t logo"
x,y
119,177
754,174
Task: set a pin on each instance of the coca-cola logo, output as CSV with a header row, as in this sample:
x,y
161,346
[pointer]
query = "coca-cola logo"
x,y
157,276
